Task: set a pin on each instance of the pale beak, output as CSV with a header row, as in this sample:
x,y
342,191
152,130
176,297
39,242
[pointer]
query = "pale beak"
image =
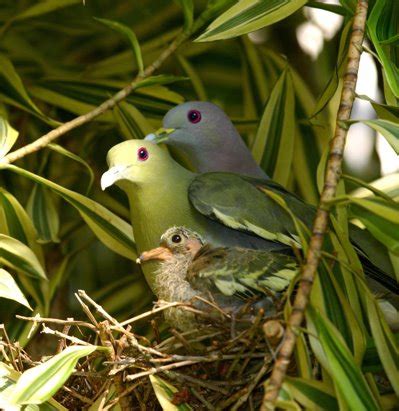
x,y
160,135
159,253
113,174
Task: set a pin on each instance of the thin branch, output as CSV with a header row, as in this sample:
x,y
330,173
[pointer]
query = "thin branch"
x,y
333,174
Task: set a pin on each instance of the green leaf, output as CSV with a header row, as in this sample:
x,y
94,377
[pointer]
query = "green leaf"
x,y
383,25
66,153
40,383
346,375
388,129
9,289
165,392
274,142
44,214
43,7
19,257
131,122
194,77
381,228
249,15
8,377
111,230
131,37
8,136
12,89
311,394
188,11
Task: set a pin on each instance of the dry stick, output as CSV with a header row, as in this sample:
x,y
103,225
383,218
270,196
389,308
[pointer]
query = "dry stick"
x,y
333,173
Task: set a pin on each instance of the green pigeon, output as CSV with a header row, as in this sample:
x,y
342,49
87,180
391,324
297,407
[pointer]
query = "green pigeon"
x,y
207,141
225,209
235,279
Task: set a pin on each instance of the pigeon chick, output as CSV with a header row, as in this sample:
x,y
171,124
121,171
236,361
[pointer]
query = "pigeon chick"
x,y
235,279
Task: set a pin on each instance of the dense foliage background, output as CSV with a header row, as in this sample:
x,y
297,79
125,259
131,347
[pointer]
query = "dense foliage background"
x,y
60,59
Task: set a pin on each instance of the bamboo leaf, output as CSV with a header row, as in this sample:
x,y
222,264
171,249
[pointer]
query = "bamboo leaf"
x,y
66,153
347,377
9,289
188,11
274,142
19,257
165,392
12,89
40,383
8,136
8,378
44,214
383,25
131,37
312,394
109,228
388,129
247,16
44,7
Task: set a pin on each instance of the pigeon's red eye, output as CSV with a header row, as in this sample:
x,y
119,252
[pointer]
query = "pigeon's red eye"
x,y
142,154
194,116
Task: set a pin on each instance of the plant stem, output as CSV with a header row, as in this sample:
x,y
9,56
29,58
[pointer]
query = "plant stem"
x,y
332,176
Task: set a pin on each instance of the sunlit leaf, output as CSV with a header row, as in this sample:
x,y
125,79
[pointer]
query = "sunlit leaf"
x,y
131,37
131,122
188,11
109,228
40,383
9,289
383,25
44,7
8,136
247,16
388,129
346,375
8,378
165,392
19,257
44,214
276,131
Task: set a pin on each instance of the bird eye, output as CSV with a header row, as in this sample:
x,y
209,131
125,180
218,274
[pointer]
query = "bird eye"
x,y
142,154
176,238
194,116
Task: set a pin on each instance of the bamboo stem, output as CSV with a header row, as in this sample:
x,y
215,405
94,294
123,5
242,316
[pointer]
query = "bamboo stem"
x,y
332,176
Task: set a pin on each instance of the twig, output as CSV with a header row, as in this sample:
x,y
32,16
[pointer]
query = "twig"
x,y
57,321
333,173
59,334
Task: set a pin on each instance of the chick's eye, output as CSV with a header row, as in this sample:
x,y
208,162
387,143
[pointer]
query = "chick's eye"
x,y
176,238
142,154
194,116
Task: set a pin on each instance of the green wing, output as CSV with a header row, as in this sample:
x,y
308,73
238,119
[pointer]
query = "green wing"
x,y
238,203
241,272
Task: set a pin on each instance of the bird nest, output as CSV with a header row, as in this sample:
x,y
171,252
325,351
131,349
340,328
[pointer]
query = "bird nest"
x,y
219,365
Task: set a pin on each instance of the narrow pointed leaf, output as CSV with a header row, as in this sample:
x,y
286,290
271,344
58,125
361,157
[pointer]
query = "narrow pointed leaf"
x,y
130,36
8,136
274,142
188,11
19,257
44,214
9,289
109,228
388,129
247,16
44,7
165,392
383,25
347,376
40,383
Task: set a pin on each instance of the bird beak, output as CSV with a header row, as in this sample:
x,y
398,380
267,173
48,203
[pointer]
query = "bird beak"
x,y
159,253
112,175
160,135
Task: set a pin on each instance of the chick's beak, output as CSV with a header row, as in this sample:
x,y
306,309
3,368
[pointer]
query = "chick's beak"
x,y
160,135
159,253
112,175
